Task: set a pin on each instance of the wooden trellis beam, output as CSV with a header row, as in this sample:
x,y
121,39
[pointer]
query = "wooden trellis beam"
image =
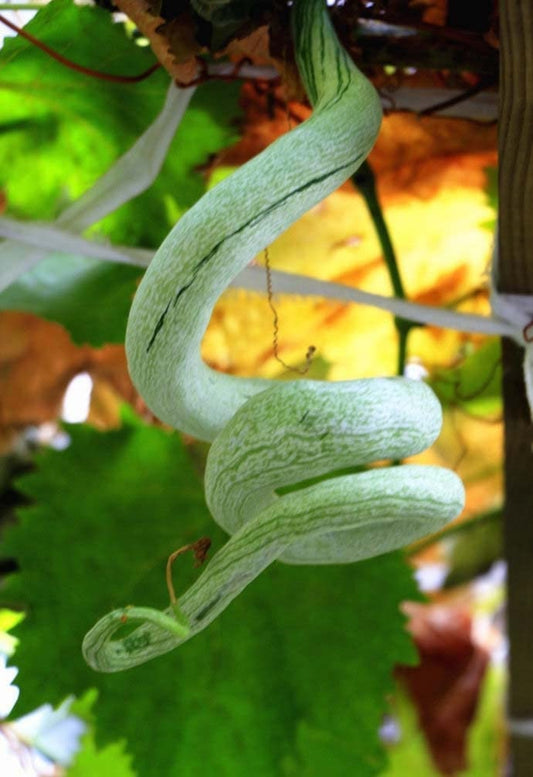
x,y
515,276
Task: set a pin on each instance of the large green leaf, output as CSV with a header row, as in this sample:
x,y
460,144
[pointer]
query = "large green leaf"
x,y
72,127
66,129
290,680
77,125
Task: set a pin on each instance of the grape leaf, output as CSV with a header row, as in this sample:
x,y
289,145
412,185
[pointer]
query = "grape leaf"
x,y
77,124
72,127
290,680
66,129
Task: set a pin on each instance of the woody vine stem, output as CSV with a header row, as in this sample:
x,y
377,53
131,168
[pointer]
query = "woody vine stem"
x,y
267,435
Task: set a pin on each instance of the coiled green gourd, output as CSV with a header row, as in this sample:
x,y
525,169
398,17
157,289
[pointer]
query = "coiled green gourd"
x,y
268,435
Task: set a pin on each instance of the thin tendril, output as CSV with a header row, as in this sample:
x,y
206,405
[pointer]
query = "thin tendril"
x,y
199,548
275,335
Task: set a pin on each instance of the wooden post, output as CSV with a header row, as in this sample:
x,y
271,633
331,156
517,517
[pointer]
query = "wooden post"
x,y
516,147
515,276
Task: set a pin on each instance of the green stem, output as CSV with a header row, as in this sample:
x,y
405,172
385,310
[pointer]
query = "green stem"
x,y
365,181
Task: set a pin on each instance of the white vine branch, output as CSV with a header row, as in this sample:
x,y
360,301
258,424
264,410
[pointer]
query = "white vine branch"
x,y
52,238
288,283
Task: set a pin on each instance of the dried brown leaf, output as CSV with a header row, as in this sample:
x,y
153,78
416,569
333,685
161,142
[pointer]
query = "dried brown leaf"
x,y
445,686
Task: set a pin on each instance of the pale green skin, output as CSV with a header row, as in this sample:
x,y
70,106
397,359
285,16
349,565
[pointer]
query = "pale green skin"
x,y
266,434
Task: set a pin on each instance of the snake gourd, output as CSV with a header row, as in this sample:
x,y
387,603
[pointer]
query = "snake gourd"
x,y
265,434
